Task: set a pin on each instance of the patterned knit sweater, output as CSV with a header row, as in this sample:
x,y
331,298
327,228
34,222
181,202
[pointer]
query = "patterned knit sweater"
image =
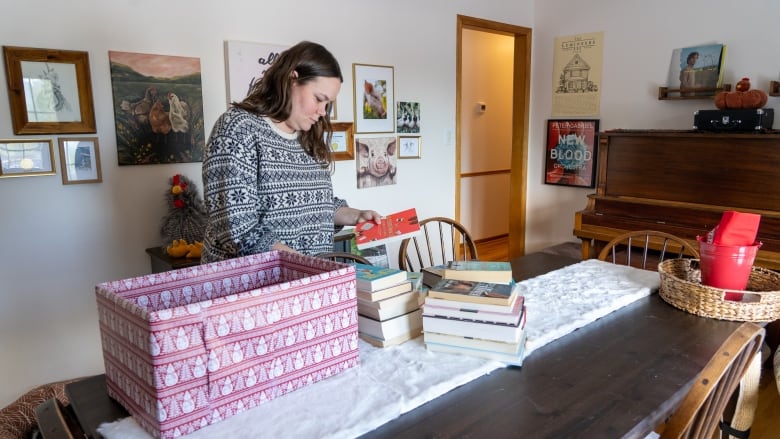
x,y
260,187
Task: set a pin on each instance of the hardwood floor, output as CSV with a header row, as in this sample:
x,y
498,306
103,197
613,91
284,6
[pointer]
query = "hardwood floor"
x,y
767,421
493,250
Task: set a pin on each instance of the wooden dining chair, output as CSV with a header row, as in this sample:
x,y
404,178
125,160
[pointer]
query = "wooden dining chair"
x,y
440,240
648,248
344,257
700,413
776,364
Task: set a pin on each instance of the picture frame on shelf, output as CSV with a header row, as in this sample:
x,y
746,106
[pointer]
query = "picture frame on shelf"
x,y
26,157
80,160
570,152
50,91
374,105
342,142
409,147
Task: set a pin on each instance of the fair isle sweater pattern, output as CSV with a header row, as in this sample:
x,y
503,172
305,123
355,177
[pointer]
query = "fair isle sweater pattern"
x,y
259,187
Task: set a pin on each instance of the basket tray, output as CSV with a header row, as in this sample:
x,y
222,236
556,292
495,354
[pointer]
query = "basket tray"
x,y
681,287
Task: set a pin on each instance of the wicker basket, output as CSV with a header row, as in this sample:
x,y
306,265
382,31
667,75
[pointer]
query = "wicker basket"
x,y
681,287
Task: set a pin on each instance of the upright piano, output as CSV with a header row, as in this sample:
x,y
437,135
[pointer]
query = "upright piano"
x,y
681,182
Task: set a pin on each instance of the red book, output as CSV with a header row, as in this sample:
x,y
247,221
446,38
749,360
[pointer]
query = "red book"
x,y
393,227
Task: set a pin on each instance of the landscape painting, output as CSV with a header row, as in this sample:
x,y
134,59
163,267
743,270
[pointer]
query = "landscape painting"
x,y
158,108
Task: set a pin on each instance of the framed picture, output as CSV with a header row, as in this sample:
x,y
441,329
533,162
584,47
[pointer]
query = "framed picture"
x,y
246,63
80,160
333,111
50,91
374,103
158,108
376,161
407,119
571,152
342,143
22,158
408,147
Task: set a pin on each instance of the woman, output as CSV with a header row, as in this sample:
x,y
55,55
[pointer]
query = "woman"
x,y
688,74
266,172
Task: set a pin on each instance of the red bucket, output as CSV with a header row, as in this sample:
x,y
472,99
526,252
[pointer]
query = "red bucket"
x,y
726,267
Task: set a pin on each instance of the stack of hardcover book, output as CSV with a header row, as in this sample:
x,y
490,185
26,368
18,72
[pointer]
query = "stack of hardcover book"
x,y
476,309
388,306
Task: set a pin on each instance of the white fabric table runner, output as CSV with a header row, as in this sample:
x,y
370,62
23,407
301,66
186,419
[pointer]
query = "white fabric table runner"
x,y
392,381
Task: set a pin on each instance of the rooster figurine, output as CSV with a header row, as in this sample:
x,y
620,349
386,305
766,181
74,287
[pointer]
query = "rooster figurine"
x,y
186,217
743,84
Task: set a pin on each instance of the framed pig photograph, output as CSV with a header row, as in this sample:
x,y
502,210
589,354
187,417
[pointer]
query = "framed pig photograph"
x,y
571,152
374,98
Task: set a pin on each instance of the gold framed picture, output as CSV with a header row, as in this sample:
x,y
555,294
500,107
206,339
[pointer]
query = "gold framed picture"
x,y
27,157
49,90
409,147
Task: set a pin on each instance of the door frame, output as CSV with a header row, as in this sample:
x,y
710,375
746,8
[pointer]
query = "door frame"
x,y
521,96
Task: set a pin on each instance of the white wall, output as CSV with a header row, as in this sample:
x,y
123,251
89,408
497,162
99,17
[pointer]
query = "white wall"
x,y
57,242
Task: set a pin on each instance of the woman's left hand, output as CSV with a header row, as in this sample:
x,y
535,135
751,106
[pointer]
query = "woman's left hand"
x,y
368,215
349,216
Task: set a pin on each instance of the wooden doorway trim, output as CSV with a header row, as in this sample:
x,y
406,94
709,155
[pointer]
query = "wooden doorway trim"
x,y
521,96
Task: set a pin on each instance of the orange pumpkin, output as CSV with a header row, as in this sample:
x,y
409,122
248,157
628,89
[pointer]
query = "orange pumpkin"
x,y
750,99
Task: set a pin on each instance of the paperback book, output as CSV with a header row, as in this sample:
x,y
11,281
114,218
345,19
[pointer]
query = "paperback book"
x,y
472,343
512,358
432,275
405,326
474,292
470,306
510,315
384,293
391,307
371,278
466,328
393,227
383,343
480,271
375,255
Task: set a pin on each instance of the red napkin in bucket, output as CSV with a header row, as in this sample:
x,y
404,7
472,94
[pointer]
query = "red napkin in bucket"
x,y
736,228
722,265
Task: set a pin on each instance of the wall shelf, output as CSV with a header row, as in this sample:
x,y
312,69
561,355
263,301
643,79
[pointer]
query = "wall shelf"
x,y
774,88
663,92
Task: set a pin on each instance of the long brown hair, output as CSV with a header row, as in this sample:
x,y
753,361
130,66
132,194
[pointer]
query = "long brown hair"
x,y
270,96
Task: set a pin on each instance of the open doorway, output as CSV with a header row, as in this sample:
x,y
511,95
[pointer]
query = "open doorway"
x,y
487,186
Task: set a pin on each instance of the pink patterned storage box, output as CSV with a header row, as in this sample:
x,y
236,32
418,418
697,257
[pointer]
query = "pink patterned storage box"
x,y
188,348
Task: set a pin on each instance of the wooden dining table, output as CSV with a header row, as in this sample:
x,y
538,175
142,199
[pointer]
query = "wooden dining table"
x,y
619,376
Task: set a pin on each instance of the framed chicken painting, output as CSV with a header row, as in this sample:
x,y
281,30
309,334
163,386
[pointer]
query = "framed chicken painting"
x,y
158,108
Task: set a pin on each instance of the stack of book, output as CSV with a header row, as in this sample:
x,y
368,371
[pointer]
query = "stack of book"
x,y
476,309
388,306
